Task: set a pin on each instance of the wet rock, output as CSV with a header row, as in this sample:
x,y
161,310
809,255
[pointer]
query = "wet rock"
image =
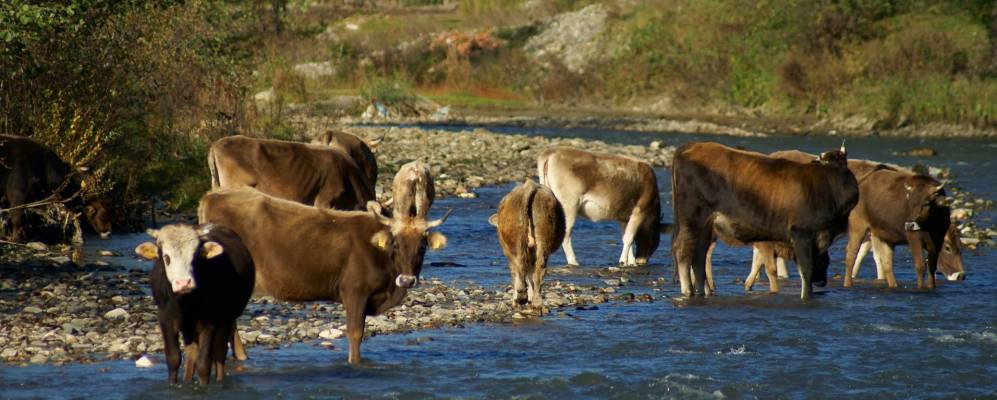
x,y
32,310
331,334
143,362
918,152
37,246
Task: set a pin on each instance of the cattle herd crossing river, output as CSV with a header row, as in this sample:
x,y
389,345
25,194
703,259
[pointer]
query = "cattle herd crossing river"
x,y
866,341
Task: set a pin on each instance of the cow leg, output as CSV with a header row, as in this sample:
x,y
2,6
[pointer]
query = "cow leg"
x,y
768,261
683,246
917,251
219,347
519,290
756,264
863,250
171,346
191,354
355,306
709,266
539,270
16,218
629,232
883,253
570,213
781,268
805,246
238,349
932,260
204,361
856,234
699,264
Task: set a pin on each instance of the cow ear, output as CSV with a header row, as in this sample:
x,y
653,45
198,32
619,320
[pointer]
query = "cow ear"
x,y
381,240
147,250
211,250
436,241
152,232
493,220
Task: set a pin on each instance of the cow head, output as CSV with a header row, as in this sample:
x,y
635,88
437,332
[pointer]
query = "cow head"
x,y
405,241
99,217
178,247
647,239
834,157
926,203
950,258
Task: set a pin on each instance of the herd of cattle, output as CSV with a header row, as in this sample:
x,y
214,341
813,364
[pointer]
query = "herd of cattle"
x,y
300,222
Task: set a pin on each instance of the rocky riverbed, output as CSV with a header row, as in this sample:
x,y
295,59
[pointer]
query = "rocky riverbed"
x,y
56,312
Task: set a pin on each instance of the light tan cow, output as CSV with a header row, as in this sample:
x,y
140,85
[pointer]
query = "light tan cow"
x,y
605,187
530,224
412,191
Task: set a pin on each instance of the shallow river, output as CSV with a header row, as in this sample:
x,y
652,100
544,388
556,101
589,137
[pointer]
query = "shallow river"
x,y
864,342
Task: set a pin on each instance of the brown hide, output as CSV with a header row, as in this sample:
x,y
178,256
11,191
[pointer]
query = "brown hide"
x,y
750,197
357,148
318,176
605,187
530,225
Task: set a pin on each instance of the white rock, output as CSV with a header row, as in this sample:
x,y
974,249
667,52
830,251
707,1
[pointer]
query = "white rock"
x,y
8,353
143,362
32,310
330,334
314,70
37,246
117,313
265,96
960,214
352,27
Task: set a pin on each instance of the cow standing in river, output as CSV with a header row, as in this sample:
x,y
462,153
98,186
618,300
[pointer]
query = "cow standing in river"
x,y
201,282
31,172
603,186
530,224
319,176
751,197
364,260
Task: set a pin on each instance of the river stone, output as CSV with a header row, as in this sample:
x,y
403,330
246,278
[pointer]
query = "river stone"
x,y
331,334
143,362
117,313
39,246
8,353
32,310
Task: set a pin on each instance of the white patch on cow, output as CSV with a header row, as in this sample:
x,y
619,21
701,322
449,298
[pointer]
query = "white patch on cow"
x,y
954,276
593,209
179,245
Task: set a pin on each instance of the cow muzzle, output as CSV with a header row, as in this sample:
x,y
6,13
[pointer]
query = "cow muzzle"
x,y
956,276
182,286
406,281
105,235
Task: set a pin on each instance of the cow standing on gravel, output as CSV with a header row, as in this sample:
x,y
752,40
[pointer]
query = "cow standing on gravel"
x,y
364,260
360,150
412,191
201,282
319,176
600,187
751,197
530,224
31,172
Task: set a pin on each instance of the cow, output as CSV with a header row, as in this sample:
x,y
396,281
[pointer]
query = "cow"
x,y
412,191
899,207
201,282
31,172
364,260
319,176
361,151
751,197
530,224
878,203
602,186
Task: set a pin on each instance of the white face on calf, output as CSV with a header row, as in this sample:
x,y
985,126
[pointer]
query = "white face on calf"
x,y
178,246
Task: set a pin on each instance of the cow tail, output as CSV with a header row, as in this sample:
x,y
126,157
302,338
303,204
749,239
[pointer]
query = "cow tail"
x,y
531,229
213,167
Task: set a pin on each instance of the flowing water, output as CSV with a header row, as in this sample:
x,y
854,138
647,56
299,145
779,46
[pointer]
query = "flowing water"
x,y
864,342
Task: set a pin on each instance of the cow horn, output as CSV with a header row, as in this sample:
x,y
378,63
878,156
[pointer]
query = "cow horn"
x,y
153,232
438,222
388,203
375,142
205,229
940,187
843,146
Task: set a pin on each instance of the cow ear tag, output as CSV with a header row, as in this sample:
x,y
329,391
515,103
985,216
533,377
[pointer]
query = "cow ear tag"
x,y
380,240
147,250
437,241
211,250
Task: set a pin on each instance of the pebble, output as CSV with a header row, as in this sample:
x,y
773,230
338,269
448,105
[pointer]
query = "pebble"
x,y
32,310
331,334
143,362
117,313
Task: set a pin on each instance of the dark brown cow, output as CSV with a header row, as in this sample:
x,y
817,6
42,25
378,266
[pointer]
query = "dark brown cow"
x,y
601,187
921,219
751,197
31,172
530,225
201,282
318,176
361,151
361,259
950,252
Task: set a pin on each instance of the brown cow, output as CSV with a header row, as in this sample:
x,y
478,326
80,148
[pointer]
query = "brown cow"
x,y
361,150
314,175
603,186
530,224
922,221
751,197
31,172
949,258
412,191
361,259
